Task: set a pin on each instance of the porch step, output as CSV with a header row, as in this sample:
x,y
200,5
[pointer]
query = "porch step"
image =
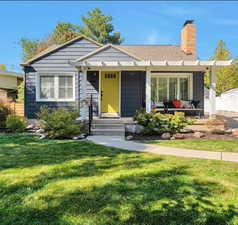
x,y
107,126
111,121
108,132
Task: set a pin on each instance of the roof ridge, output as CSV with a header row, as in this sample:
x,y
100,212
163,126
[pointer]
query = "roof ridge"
x,y
149,45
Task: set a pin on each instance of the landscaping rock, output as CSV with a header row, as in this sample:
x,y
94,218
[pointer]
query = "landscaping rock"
x,y
30,127
40,131
134,128
229,131
82,136
199,135
172,138
166,136
42,136
235,131
179,136
129,137
186,131
218,131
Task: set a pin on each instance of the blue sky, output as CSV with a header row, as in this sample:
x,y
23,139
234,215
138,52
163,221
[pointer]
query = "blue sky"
x,y
141,22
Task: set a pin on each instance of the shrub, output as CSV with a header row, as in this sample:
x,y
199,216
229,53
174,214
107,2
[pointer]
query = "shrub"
x,y
157,123
59,123
152,122
4,112
177,121
15,123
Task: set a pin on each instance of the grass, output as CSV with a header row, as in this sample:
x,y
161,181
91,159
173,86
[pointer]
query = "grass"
x,y
218,145
45,182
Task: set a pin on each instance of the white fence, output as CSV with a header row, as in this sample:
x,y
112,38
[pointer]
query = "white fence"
x,y
228,101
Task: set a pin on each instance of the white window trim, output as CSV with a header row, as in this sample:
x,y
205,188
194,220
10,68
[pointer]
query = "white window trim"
x,y
178,75
56,99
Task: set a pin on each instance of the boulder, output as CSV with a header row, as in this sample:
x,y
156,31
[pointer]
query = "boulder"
x,y
129,137
134,128
30,127
42,136
172,138
179,136
235,131
186,131
199,135
228,131
166,136
40,131
82,136
218,131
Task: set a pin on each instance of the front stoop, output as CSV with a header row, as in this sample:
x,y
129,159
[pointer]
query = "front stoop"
x,y
108,127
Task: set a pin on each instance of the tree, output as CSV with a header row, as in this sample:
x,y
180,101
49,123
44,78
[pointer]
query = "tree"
x,y
3,67
227,77
29,47
98,27
20,92
64,32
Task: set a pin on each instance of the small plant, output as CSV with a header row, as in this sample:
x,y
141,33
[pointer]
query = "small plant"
x,y
157,123
59,123
15,123
4,112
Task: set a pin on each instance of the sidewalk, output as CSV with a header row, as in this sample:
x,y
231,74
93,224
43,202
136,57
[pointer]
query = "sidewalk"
x,y
120,142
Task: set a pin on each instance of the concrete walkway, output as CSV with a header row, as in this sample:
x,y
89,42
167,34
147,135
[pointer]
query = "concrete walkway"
x,y
120,142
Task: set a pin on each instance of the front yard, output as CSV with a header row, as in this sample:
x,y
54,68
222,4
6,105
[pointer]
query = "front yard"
x,y
217,145
45,182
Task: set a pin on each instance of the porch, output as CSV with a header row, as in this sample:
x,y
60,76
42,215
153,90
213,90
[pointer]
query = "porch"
x,y
120,88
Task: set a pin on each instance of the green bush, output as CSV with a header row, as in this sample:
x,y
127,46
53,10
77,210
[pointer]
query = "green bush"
x,y
157,123
4,112
59,123
15,123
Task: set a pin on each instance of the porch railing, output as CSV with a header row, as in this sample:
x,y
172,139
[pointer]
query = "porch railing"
x,y
90,115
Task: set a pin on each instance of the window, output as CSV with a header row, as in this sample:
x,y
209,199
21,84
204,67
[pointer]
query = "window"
x,y
54,87
166,87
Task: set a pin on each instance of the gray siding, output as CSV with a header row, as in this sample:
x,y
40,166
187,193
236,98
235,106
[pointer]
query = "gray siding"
x,y
110,54
93,89
132,92
198,88
57,61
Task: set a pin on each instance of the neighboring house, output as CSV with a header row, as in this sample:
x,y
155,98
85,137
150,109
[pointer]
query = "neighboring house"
x,y
121,78
9,82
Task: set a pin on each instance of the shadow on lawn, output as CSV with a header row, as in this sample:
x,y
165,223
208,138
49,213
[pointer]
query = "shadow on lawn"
x,y
161,198
146,197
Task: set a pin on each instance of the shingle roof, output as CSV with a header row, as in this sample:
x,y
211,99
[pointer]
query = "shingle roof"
x,y
11,73
157,52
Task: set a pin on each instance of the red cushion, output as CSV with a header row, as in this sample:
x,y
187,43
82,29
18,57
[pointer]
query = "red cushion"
x,y
177,103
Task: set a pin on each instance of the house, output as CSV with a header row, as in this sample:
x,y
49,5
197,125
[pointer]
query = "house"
x,y
9,82
120,78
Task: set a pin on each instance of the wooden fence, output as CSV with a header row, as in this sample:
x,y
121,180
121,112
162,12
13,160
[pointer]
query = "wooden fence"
x,y
16,108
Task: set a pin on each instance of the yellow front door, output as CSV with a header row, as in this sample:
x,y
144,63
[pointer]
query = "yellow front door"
x,y
110,92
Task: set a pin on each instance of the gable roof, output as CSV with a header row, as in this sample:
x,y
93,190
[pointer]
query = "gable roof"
x,y
104,48
56,47
11,73
157,52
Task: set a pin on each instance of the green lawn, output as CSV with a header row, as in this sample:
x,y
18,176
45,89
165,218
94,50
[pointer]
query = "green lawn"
x,y
73,182
219,145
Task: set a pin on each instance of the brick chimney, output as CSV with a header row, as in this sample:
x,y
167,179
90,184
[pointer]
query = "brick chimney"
x,y
188,38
